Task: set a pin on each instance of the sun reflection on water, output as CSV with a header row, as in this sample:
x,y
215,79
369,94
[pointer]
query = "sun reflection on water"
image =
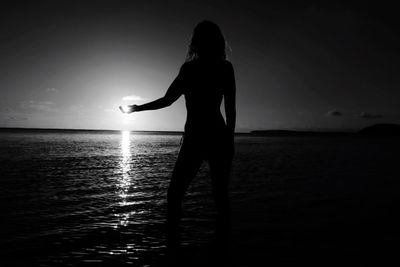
x,y
125,181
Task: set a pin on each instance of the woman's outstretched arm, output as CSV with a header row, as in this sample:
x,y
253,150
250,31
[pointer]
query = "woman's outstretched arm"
x,y
173,93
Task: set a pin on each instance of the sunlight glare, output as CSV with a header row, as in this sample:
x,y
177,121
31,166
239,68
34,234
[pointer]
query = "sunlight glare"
x,y
125,181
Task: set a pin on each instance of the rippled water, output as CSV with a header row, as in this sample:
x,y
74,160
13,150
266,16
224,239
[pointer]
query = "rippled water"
x,y
99,197
85,194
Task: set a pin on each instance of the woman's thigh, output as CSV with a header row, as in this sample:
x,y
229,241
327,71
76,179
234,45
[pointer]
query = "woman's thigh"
x,y
186,168
220,167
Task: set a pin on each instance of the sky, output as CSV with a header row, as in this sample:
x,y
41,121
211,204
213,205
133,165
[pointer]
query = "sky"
x,y
302,65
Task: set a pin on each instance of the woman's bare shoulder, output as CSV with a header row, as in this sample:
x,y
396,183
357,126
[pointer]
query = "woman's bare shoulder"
x,y
228,63
187,65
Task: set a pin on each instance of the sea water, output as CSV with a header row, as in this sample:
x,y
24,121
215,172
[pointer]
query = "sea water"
x,y
71,197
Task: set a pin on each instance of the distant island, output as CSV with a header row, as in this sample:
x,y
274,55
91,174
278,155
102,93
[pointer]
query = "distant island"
x,y
384,129
374,130
284,133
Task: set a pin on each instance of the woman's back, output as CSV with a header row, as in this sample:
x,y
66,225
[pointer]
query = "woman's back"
x,y
205,82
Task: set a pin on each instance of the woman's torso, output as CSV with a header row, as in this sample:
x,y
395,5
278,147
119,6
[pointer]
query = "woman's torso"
x,y
204,90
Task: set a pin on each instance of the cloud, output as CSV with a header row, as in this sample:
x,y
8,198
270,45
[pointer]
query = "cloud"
x,y
334,113
366,115
6,110
38,105
16,118
51,90
7,113
133,98
13,117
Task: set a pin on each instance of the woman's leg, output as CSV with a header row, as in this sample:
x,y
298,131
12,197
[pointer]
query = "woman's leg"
x,y
220,167
185,170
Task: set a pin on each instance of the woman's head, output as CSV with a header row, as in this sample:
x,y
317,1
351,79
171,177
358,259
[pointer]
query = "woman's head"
x,y
207,42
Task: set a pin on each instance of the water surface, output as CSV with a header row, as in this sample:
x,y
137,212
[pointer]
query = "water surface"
x,y
99,197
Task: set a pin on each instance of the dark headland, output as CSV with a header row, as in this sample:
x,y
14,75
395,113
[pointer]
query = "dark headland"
x,y
384,129
381,130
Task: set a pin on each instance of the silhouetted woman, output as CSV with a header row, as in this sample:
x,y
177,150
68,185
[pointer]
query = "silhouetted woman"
x,y
204,79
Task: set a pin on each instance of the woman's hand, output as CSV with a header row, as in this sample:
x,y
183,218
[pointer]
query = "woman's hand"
x,y
129,109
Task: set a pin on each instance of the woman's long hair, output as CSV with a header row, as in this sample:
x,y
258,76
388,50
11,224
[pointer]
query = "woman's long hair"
x,y
207,42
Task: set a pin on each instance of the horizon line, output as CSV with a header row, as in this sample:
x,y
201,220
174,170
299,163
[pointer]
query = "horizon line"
x,y
333,130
